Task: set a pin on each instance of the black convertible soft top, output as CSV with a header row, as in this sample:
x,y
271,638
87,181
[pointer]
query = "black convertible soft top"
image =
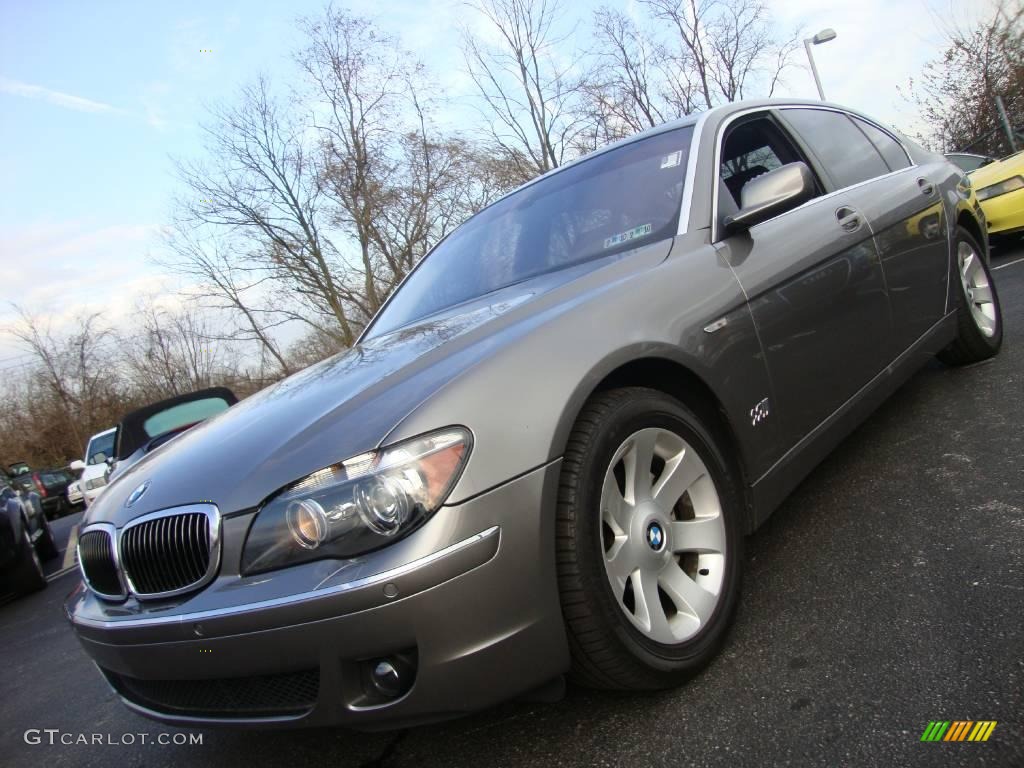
x,y
131,432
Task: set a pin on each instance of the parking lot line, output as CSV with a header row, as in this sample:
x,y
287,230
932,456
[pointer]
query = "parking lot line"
x,y
61,572
1008,264
72,548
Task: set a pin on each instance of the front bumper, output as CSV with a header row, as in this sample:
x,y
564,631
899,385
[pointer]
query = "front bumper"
x,y
1005,213
470,598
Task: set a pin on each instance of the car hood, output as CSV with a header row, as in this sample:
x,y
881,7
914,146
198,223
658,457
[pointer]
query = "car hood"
x,y
998,171
336,409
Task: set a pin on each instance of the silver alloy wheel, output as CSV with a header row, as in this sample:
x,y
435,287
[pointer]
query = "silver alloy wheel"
x,y
977,289
663,535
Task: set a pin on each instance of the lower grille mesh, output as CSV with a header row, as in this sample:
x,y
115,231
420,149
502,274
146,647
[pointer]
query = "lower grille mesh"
x,y
291,693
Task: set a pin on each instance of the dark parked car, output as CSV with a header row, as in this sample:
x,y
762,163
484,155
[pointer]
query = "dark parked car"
x,y
156,424
25,540
52,487
542,455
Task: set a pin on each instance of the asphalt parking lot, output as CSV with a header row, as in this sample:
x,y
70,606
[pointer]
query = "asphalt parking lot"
x,y
887,592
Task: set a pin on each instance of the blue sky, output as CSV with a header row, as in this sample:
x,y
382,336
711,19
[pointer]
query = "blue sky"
x,y
95,98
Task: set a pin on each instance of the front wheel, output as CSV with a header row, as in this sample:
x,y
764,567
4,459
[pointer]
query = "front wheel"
x,y
649,542
45,545
28,576
979,318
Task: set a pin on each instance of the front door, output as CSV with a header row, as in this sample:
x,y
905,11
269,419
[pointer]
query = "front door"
x,y
813,281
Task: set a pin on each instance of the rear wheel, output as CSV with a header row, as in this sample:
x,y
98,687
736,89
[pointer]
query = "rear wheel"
x,y
979,318
649,542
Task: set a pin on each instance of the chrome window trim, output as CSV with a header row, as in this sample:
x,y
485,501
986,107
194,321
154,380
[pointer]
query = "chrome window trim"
x,y
689,180
111,531
298,597
716,236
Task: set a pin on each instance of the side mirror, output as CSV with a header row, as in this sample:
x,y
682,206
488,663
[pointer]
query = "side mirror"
x,y
770,194
77,465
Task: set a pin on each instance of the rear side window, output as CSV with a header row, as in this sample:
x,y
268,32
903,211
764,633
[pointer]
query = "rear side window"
x,y
846,153
886,145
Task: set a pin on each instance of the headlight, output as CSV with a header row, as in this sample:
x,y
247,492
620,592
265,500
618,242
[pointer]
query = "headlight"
x,y
995,190
358,505
96,482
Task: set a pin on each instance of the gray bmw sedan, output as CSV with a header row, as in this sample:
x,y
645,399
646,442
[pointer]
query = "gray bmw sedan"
x,y
541,458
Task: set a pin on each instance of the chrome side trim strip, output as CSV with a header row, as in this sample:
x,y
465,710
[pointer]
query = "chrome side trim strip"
x,y
299,597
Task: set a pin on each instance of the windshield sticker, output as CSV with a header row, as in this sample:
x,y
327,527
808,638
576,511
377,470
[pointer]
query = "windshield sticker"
x,y
632,234
671,161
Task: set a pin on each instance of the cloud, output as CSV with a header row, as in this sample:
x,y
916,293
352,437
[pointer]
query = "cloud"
x,y
58,99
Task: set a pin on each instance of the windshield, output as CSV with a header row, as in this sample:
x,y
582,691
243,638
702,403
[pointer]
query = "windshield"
x,y
183,415
100,449
615,201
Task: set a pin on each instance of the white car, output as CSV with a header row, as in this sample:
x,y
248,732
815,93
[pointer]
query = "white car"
x,y
75,496
94,468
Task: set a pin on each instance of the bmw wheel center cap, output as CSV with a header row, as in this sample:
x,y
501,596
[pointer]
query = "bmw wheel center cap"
x,y
655,536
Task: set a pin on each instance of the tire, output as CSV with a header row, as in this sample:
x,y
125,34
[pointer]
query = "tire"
x,y
979,322
613,645
28,575
45,546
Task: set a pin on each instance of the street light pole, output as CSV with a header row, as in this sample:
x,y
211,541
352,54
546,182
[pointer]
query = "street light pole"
x,y
822,37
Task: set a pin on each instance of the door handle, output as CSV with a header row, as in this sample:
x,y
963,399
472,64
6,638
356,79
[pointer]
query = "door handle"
x,y
848,218
927,188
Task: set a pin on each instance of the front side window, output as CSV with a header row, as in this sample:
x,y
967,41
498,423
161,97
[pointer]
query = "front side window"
x,y
613,202
752,148
845,152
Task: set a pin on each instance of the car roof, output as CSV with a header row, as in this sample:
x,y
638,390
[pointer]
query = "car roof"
x,y
697,118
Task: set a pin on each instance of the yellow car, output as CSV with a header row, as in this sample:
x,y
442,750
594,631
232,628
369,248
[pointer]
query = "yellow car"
x,y
1000,190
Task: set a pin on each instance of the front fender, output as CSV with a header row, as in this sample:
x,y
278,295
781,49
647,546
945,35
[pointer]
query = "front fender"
x,y
525,389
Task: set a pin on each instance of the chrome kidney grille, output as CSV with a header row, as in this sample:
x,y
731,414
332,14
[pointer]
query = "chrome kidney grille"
x,y
98,562
161,554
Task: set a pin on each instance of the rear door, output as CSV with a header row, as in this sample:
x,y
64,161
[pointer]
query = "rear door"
x,y
812,278
901,204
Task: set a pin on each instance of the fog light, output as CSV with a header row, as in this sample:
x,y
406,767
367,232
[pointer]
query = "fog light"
x,y
386,679
307,523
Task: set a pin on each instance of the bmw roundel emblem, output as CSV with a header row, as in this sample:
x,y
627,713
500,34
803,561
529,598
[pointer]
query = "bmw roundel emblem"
x,y
655,536
137,494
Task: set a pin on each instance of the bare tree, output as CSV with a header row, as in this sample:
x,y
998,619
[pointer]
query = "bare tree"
x,y
635,82
69,387
262,184
230,283
173,352
728,45
956,93
526,82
